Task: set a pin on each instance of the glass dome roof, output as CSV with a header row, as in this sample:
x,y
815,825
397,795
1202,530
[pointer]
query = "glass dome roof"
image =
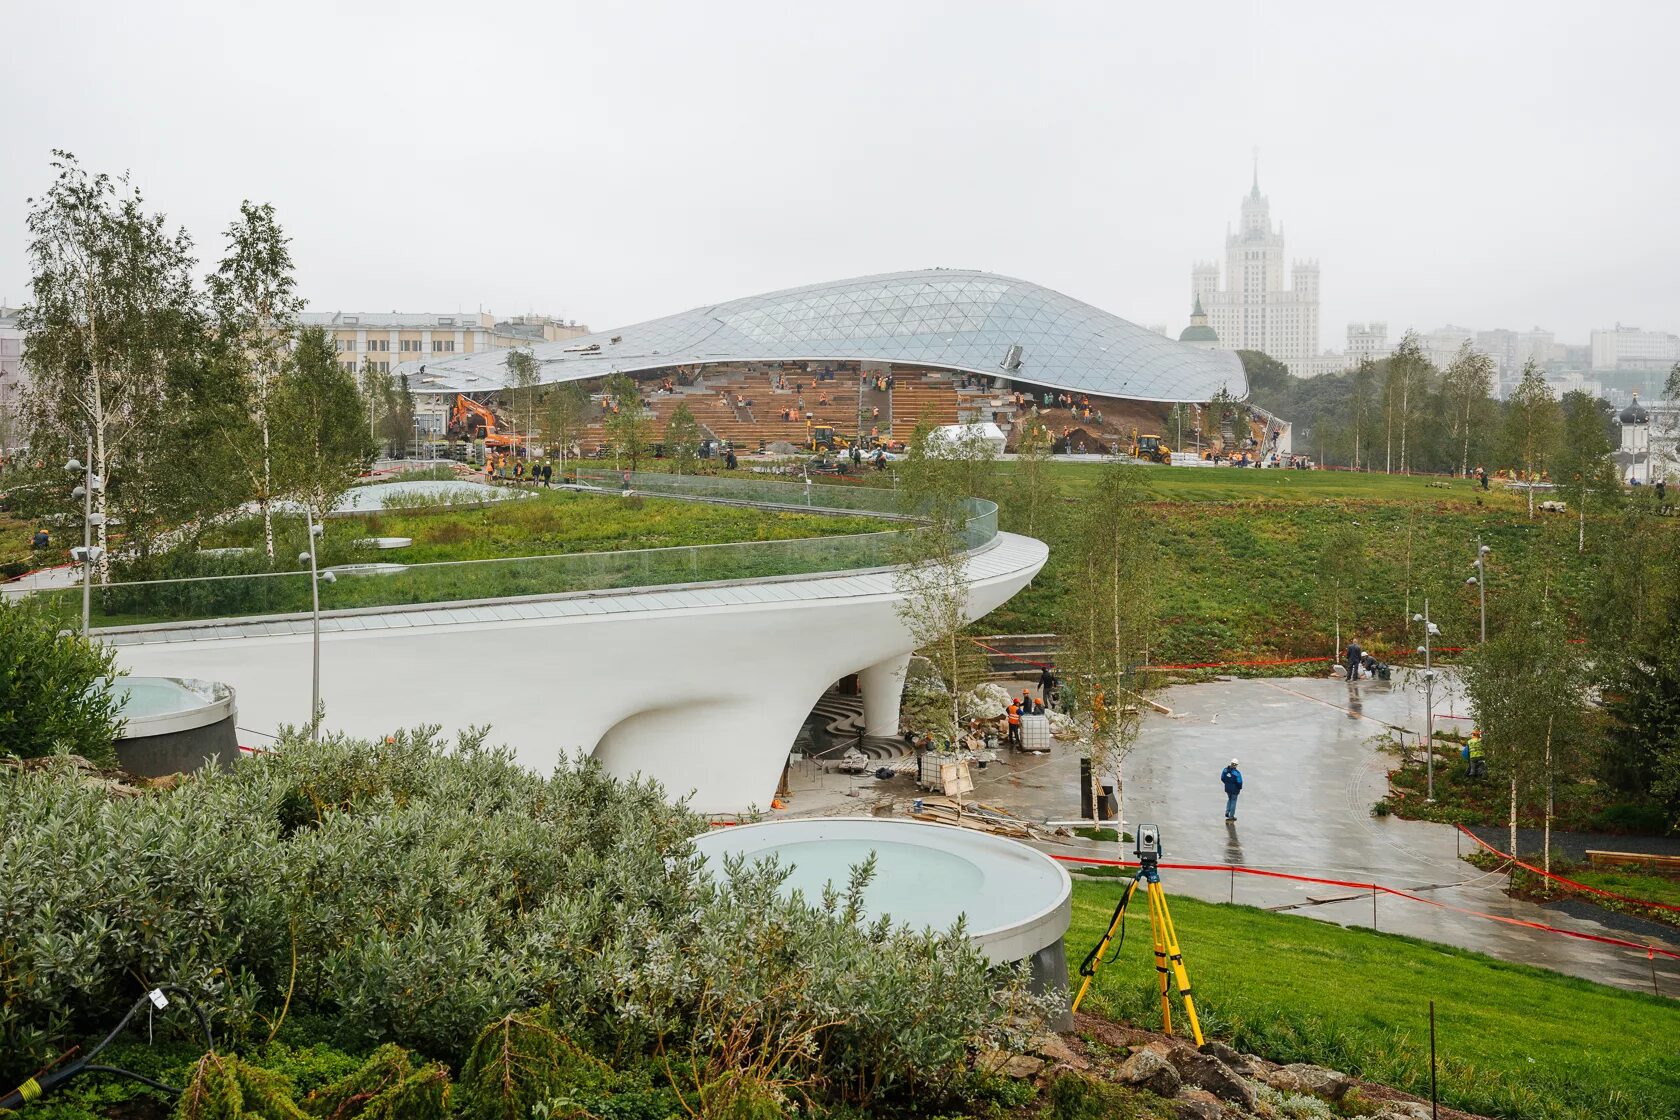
x,y
958,320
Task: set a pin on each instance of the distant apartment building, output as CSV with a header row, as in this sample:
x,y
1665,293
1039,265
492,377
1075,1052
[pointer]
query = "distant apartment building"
x,y
1259,307
385,342
1631,348
1366,341
12,378
1512,350
1441,345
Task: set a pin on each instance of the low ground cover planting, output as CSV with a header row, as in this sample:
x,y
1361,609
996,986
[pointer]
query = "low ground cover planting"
x,y
1514,1041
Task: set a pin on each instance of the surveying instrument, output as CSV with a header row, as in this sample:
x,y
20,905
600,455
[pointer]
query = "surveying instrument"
x,y
1161,931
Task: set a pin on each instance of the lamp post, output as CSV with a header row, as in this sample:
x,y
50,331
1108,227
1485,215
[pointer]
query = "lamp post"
x,y
1429,631
315,578
1480,580
87,553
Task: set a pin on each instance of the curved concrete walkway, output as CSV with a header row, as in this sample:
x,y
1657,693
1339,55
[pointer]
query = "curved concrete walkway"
x,y
1312,772
703,686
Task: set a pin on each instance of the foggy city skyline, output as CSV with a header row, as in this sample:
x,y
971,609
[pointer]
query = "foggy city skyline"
x,y
1482,166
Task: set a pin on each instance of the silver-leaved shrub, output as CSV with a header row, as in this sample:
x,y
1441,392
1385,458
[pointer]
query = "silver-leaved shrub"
x,y
413,891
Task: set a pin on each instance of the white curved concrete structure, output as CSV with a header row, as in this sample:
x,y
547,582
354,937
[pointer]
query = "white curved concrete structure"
x,y
702,686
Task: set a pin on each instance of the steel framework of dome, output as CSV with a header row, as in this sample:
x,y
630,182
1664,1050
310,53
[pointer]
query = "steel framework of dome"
x,y
966,322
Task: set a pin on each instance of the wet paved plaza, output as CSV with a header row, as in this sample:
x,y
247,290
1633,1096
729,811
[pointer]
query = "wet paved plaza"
x,y
1312,769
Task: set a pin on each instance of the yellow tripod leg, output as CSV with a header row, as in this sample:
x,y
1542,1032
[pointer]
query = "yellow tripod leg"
x,y
1157,934
1176,957
1102,946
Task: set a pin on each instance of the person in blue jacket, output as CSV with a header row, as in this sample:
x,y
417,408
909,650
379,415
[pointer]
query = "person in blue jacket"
x,y
1232,777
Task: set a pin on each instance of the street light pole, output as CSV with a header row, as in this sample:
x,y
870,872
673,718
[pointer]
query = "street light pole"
x,y
315,613
1481,582
1429,701
87,540
89,520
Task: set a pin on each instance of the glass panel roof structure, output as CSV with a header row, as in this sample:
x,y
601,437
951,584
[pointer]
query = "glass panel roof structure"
x,y
966,322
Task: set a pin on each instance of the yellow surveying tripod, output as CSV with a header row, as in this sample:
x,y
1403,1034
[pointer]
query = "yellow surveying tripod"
x,y
1161,931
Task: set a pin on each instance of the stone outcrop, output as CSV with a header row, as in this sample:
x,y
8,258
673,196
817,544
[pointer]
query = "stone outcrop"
x,y
1309,1081
1150,1069
1204,1071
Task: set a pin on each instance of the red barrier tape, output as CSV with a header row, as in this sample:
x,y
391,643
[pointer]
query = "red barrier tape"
x,y
1570,883
1648,950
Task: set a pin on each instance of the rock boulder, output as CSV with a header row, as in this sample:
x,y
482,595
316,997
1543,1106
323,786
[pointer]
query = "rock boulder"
x,y
1150,1069
1204,1071
1312,1080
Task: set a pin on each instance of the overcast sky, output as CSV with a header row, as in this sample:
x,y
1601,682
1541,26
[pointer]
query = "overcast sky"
x,y
1475,163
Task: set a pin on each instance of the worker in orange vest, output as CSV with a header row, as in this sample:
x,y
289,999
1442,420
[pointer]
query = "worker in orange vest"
x,y
1014,713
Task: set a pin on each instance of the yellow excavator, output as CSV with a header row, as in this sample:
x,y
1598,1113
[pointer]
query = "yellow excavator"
x,y
1150,448
823,437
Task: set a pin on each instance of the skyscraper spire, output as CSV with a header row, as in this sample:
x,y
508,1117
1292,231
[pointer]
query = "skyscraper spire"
x,y
1254,191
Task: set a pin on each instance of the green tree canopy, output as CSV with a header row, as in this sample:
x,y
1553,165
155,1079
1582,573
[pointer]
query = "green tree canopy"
x,y
56,688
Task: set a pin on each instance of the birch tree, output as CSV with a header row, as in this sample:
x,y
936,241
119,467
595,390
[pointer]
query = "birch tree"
x,y
682,439
1527,686
1467,383
932,582
1107,627
111,295
1032,489
1531,424
320,442
1359,404
524,375
1585,470
628,426
252,295
565,409
1408,375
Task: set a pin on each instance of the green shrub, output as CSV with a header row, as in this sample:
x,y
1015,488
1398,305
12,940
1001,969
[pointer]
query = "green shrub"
x,y
410,892
225,1087
522,1060
388,1086
56,691
1637,818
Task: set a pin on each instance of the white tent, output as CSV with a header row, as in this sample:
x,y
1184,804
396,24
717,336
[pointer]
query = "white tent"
x,y
956,435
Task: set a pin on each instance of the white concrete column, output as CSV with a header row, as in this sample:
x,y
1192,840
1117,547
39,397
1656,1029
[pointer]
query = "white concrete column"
x,y
883,687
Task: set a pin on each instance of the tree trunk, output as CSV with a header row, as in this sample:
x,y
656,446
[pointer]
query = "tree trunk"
x,y
1405,396
1546,843
1464,465
1513,814
1529,471
1581,532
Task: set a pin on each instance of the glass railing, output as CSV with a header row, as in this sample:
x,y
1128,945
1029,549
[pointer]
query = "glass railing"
x,y
354,586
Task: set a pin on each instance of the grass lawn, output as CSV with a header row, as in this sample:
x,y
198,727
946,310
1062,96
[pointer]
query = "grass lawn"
x,y
1239,559
1514,1041
1634,884
546,543
545,522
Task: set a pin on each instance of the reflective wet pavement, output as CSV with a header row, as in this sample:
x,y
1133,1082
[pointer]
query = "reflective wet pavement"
x,y
1308,753
1312,770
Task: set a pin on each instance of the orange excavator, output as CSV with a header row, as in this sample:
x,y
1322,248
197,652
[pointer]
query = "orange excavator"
x,y
471,420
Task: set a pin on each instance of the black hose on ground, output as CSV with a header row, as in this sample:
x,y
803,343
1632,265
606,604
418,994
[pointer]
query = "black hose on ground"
x,y
33,1088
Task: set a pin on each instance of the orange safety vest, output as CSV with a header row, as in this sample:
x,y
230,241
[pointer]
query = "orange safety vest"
x,y
1014,713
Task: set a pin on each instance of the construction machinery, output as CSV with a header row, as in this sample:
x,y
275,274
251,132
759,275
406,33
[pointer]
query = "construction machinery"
x,y
471,419
1150,448
823,437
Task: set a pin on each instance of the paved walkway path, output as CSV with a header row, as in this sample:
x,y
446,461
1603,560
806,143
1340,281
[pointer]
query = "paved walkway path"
x,y
1312,771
